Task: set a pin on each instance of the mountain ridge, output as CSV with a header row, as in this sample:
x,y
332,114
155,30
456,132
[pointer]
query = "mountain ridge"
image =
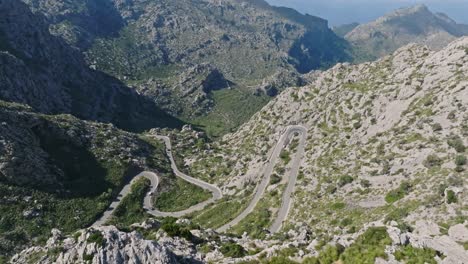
x,y
403,26
154,42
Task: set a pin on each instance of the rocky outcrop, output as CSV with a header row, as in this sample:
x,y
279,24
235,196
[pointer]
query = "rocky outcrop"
x,y
416,24
274,84
97,246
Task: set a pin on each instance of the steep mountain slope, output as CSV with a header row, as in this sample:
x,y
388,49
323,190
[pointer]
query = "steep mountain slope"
x,y
188,55
42,71
386,142
383,178
342,30
58,171
416,24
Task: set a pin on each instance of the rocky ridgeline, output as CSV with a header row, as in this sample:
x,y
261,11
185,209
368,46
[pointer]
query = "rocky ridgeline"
x,y
415,24
100,245
109,245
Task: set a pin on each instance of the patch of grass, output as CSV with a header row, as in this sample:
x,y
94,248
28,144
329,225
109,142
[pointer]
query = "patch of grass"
x,y
131,210
358,86
69,214
368,247
411,255
399,193
220,214
330,254
233,107
338,206
256,222
181,195
279,260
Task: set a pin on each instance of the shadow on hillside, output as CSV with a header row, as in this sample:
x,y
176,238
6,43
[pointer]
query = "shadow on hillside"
x,y
83,175
55,67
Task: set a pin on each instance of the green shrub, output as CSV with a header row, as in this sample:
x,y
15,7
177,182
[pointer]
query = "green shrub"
x,y
411,255
232,250
96,237
432,161
76,235
365,183
53,253
436,127
344,180
457,143
285,156
368,247
174,230
311,260
357,125
459,169
451,197
130,210
180,195
330,254
460,160
87,257
274,179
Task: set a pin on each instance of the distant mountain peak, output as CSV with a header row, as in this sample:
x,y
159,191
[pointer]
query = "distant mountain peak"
x,y
415,24
418,8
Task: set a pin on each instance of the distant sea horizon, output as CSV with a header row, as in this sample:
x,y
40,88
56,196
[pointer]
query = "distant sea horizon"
x,y
340,12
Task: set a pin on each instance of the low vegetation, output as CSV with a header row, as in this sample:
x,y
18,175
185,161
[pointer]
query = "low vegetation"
x,y
179,196
130,210
172,229
232,250
398,193
411,255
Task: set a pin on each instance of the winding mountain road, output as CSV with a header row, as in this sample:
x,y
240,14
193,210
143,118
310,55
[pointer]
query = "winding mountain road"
x,y
154,179
260,189
284,140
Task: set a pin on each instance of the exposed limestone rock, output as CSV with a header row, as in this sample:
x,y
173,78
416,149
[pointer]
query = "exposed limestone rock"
x,y
98,246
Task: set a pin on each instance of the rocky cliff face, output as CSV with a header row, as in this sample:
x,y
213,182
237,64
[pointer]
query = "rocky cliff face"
x,y
42,71
416,24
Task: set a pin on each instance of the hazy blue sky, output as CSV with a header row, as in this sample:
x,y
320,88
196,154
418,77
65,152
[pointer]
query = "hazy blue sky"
x,y
347,11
